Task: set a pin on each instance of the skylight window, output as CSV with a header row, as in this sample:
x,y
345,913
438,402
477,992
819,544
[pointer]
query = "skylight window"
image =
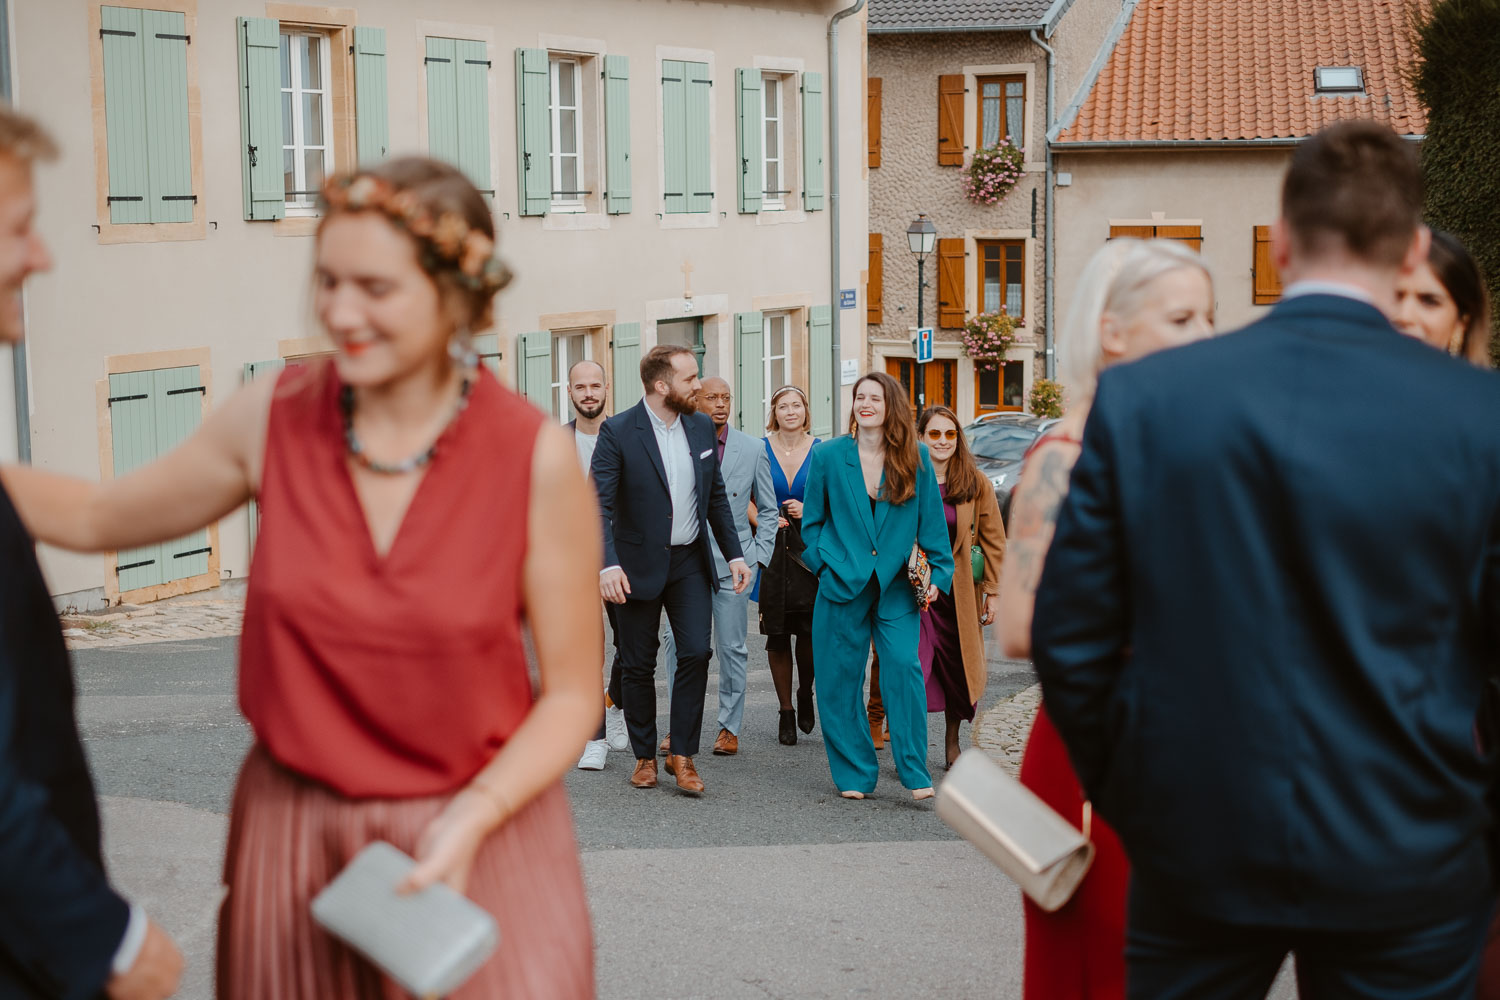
x,y
1339,79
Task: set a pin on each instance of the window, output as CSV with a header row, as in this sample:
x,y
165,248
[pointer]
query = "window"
x,y
1000,388
306,121
684,333
564,108
776,353
1002,277
1338,80
772,177
927,385
1002,110
567,350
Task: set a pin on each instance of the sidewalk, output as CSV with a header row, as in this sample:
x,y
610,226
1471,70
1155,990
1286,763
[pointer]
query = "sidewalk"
x,y
192,616
1001,731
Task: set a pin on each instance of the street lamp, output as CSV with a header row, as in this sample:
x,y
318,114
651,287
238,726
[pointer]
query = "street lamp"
x,y
921,237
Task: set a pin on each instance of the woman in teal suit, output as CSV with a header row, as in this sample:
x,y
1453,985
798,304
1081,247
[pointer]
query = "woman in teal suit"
x,y
870,496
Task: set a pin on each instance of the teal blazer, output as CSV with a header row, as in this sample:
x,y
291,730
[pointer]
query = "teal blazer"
x,y
846,545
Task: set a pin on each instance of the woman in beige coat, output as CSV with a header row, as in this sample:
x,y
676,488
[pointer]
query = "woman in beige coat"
x,y
952,629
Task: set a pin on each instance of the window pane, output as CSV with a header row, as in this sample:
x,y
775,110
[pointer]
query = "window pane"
x,y
312,62
565,84
778,373
569,166
777,347
991,123
567,122
989,390
1014,127
773,179
1014,374
991,289
769,86
773,150
289,170
1015,88
312,119
286,60
287,122
314,178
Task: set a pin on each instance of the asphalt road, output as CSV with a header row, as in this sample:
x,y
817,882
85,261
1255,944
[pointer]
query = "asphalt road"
x,y
770,885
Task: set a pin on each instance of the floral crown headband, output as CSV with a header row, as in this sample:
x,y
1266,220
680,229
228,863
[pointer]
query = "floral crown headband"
x,y
448,242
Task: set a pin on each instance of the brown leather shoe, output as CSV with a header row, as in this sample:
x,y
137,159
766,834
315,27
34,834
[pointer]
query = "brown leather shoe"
x,y
644,775
727,744
877,733
687,775
665,747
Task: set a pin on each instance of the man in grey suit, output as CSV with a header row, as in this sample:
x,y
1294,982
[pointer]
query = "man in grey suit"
x,y
746,469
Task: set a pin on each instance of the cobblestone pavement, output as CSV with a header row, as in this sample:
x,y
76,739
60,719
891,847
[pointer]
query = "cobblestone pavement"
x,y
193,616
1001,731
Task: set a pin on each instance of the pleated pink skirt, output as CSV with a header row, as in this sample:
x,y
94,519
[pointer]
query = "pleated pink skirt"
x,y
289,837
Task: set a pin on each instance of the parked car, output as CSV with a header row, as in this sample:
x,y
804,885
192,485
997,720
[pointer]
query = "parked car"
x,y
999,442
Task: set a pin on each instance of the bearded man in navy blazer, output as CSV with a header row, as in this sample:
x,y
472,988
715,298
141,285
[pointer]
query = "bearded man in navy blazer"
x,y
1267,618
656,470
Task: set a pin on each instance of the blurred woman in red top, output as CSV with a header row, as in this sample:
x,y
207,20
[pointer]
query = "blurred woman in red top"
x,y
402,545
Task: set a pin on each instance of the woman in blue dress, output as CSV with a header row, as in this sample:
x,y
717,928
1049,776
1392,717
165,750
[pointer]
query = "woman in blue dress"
x,y
786,588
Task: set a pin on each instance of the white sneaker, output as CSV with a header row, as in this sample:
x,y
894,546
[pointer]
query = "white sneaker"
x,y
594,754
614,729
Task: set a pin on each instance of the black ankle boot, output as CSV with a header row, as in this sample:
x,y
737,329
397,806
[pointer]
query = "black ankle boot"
x,y
806,718
788,734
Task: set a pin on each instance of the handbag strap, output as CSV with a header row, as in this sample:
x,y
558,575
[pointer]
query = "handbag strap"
x,y
1088,820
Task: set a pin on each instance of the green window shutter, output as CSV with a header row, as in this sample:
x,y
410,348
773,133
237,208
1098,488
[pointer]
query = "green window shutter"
x,y
617,135
625,343
260,117
674,135
125,115
170,193
750,362
178,399
487,346
699,151
533,132
812,142
472,70
132,419
749,116
820,369
372,127
253,370
442,100
534,368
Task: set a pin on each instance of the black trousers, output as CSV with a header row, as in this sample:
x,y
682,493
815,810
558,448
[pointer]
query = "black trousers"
x,y
616,696
1174,955
688,600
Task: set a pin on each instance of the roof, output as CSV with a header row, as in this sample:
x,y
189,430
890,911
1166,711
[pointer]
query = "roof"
x,y
902,16
1242,70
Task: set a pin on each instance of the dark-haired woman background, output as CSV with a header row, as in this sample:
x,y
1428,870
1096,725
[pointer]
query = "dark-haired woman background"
x,y
952,629
1445,302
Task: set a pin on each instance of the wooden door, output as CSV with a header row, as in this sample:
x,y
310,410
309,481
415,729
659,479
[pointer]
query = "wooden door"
x,y
932,384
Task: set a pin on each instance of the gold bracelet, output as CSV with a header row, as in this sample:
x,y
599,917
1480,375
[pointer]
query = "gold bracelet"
x,y
497,798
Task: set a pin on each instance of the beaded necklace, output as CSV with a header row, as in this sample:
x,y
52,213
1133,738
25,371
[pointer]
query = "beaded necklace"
x,y
414,462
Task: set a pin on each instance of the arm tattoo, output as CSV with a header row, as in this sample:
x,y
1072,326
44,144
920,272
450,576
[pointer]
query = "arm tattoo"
x,y
1034,511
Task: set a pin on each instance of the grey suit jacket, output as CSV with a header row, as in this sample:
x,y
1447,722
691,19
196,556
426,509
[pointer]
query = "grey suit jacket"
x,y
747,476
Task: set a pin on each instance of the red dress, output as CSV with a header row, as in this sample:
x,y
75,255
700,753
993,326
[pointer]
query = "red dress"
x,y
376,687
1079,951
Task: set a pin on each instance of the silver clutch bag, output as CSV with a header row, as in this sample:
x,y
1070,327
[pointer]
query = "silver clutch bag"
x,y
429,942
1045,855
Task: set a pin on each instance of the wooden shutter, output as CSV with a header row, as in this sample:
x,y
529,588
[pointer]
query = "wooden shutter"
x,y
260,117
873,95
750,130
178,398
950,283
371,115
1133,232
533,131
442,100
625,349
125,114
617,135
1266,279
534,368
472,70
750,370
698,100
254,370
674,135
132,419
875,287
169,185
1191,235
487,346
951,120
812,141
820,369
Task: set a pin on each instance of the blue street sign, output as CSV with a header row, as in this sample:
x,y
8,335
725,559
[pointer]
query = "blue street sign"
x,y
846,298
924,345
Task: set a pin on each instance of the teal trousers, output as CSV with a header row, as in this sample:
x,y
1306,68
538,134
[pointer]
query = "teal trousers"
x,y
842,636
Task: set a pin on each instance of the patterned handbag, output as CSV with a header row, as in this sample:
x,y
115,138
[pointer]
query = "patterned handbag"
x,y
919,572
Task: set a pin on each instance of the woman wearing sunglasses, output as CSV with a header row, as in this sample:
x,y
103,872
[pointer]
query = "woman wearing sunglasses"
x,y
952,628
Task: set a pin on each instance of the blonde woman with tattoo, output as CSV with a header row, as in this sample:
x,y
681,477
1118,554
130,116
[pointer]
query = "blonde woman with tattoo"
x,y
1134,298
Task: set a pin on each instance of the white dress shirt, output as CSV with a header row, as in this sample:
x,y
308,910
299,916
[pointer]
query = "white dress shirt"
x,y
682,479
1339,288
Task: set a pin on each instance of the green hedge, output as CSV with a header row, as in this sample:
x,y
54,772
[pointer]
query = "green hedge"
x,y
1458,78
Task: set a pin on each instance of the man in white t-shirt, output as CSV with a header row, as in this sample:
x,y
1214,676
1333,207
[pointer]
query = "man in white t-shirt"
x,y
588,389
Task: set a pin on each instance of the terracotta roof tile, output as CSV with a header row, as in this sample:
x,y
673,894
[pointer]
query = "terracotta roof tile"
x,y
1243,69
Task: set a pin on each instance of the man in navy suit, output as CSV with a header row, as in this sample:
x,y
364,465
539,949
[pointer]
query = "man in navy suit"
x,y
1268,616
656,470
63,931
